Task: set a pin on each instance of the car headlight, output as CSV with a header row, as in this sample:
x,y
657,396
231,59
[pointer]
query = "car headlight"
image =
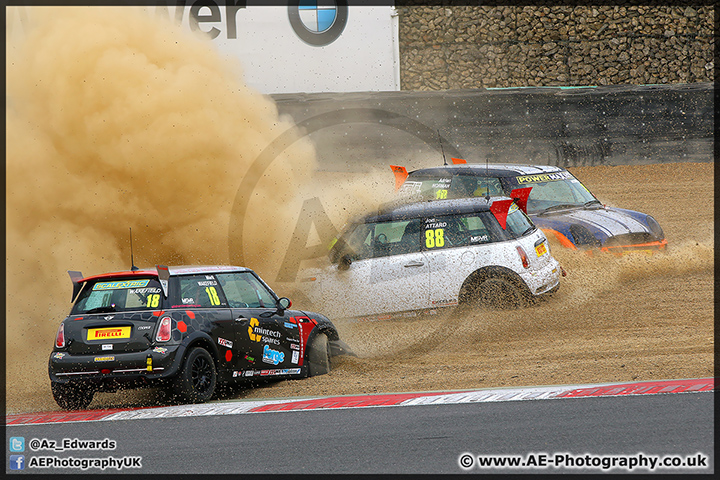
x,y
655,228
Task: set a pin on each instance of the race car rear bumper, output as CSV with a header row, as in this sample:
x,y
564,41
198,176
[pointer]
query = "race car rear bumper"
x,y
114,368
544,280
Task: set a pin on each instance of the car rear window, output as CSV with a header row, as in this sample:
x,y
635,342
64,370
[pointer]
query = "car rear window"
x,y
518,224
368,240
426,188
397,237
458,186
244,290
474,229
197,291
118,295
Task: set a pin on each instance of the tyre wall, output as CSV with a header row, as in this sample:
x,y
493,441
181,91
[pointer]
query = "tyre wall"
x,y
610,125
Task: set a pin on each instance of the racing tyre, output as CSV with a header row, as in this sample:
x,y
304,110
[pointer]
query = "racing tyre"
x,y
499,293
70,396
196,380
318,356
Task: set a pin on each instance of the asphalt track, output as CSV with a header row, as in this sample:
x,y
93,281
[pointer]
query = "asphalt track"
x,y
328,436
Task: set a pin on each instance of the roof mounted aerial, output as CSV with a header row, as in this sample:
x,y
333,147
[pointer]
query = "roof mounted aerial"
x,y
441,147
487,180
132,261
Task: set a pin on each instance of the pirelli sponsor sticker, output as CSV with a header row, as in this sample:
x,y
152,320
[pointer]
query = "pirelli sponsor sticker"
x,y
108,333
544,177
121,284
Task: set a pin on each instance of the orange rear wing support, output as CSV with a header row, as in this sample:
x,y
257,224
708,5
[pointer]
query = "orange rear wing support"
x,y
401,175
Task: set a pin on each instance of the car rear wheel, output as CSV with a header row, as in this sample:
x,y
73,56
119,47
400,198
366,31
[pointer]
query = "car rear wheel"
x,y
495,292
499,293
195,382
71,396
318,356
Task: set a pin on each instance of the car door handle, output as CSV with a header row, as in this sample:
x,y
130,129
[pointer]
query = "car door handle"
x,y
241,320
414,264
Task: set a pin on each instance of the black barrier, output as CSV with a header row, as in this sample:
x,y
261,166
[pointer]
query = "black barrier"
x,y
565,126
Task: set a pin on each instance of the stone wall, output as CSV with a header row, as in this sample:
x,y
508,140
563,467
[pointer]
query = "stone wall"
x,y
465,47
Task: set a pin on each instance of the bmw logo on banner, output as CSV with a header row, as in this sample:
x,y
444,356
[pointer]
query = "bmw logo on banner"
x,y
318,22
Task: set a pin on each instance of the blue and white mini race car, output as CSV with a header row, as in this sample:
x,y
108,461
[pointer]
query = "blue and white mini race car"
x,y
556,201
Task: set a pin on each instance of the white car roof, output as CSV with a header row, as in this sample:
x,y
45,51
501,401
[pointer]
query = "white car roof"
x,y
199,269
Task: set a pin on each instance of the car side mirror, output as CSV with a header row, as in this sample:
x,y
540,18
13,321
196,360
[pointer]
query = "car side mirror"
x,y
345,262
283,304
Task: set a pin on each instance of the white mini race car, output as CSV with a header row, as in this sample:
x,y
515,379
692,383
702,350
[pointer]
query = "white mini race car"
x,y
427,255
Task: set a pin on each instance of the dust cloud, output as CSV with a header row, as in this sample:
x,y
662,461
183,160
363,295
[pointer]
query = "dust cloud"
x,y
117,120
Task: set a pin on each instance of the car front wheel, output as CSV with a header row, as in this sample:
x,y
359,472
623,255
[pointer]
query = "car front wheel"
x,y
71,396
318,356
195,382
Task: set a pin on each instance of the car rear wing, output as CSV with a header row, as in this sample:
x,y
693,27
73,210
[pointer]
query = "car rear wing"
x,y
520,195
401,175
164,277
76,278
500,208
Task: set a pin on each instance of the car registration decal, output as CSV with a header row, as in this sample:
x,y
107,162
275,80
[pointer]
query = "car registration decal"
x,y
541,250
108,333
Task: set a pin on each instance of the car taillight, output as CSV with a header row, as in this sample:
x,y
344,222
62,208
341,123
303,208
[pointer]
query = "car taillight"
x,y
523,257
60,337
164,332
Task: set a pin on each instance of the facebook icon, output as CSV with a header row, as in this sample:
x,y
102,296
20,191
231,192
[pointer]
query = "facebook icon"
x,y
17,462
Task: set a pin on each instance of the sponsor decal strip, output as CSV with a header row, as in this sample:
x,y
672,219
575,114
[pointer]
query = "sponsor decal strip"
x,y
383,400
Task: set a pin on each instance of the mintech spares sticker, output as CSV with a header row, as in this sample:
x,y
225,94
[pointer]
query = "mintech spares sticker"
x,y
108,333
545,177
257,334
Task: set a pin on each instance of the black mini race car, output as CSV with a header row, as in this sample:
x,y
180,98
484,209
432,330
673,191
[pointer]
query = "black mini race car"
x,y
184,327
